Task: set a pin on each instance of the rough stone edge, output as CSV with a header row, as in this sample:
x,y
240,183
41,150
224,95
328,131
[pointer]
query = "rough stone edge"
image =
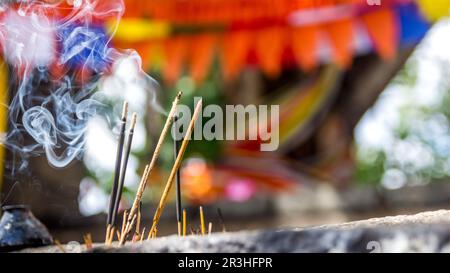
x,y
244,239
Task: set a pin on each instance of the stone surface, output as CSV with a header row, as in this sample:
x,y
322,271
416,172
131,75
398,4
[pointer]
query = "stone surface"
x,y
425,232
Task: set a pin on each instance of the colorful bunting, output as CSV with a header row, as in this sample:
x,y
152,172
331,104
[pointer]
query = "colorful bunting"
x,y
186,34
265,33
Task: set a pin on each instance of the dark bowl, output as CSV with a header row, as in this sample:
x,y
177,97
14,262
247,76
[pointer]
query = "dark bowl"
x,y
20,229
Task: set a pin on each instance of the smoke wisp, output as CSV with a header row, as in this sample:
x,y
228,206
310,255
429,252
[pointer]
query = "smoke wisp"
x,y
57,54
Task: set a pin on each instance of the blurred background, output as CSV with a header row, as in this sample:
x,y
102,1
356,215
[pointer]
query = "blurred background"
x,y
364,103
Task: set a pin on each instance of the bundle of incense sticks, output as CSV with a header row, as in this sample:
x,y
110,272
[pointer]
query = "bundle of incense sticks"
x,y
174,170
123,121
122,156
133,215
148,169
123,169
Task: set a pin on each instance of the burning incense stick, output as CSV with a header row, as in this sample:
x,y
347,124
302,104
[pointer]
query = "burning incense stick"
x,y
176,145
175,167
202,221
123,121
184,222
123,168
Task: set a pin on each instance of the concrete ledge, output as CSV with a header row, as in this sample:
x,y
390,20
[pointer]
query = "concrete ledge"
x,y
424,232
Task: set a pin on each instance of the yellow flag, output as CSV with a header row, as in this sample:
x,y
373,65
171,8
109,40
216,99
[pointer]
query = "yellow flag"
x,y
138,30
435,9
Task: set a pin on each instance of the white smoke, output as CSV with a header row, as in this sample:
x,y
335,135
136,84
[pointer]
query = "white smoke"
x,y
57,63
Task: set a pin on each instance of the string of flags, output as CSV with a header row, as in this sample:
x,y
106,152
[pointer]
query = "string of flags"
x,y
178,35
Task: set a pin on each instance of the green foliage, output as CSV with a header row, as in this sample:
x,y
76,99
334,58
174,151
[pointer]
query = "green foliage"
x,y
407,76
420,148
370,166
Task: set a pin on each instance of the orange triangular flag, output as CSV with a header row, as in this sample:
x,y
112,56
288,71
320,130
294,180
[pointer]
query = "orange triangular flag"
x,y
270,44
175,52
304,42
201,52
382,28
234,51
341,38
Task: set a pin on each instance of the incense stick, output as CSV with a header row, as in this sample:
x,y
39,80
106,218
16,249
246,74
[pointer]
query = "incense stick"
x,y
184,222
140,192
193,232
139,214
110,220
176,145
123,168
175,167
88,241
222,222
210,228
124,222
110,236
60,246
142,235
137,200
127,230
108,230
202,221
